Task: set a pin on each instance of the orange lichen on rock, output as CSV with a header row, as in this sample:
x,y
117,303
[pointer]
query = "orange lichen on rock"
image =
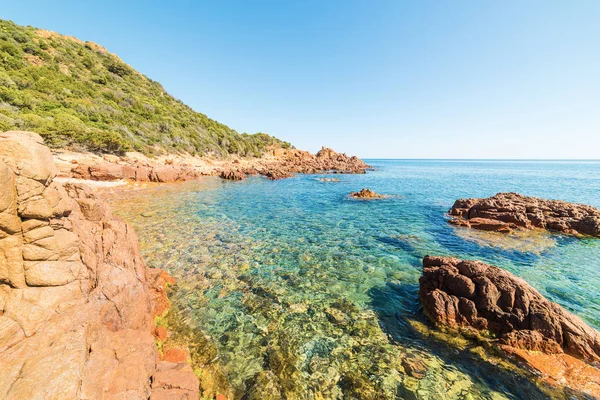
x,y
560,369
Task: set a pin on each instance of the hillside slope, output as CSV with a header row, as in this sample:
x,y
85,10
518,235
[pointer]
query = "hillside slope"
x,y
76,94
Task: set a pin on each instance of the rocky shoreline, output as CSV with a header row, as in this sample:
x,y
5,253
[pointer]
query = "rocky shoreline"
x,y
81,315
77,302
278,163
506,212
515,318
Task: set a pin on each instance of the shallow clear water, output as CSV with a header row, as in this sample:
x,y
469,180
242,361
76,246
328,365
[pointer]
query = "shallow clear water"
x,y
309,294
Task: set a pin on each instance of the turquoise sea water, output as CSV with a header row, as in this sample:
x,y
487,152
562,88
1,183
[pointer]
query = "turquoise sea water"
x,y
309,294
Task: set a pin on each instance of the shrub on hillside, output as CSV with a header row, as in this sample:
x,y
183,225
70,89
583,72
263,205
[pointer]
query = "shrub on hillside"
x,y
76,93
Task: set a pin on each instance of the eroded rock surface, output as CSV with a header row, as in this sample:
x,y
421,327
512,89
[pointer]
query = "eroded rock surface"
x,y
559,345
470,293
76,299
233,175
507,211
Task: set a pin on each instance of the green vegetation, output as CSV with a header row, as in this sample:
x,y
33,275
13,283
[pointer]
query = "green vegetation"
x,y
78,95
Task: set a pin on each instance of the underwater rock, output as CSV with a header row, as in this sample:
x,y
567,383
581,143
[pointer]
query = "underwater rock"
x,y
329,179
414,367
507,211
366,194
337,316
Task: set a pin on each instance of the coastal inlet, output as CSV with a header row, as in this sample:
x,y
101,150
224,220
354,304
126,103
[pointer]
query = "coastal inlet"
x,y
308,294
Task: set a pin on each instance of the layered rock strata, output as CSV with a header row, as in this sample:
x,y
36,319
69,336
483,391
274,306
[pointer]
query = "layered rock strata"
x,y
76,299
473,295
508,211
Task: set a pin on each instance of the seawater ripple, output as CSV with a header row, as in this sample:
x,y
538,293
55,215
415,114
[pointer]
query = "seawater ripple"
x,y
309,294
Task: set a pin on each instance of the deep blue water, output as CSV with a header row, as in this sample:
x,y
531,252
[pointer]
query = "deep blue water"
x,y
295,273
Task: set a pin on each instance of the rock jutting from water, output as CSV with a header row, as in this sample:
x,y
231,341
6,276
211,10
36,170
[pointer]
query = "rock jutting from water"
x,y
77,302
484,298
366,194
509,211
233,175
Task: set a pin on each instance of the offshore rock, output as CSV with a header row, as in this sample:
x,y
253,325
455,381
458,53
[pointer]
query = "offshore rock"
x,y
76,300
366,194
508,211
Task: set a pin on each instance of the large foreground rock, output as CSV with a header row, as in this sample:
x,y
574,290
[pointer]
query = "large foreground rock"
x,y
76,299
472,295
507,211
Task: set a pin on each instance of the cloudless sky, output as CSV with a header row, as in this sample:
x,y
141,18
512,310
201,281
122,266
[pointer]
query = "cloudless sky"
x,y
375,78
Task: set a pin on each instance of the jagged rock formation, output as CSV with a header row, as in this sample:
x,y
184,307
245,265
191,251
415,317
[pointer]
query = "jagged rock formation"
x,y
507,211
279,163
366,194
233,175
76,299
470,293
527,328
326,160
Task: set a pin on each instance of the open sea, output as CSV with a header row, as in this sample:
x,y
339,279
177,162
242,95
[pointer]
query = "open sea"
x,y
308,294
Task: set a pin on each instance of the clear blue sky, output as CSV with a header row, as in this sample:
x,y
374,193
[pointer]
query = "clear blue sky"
x,y
395,79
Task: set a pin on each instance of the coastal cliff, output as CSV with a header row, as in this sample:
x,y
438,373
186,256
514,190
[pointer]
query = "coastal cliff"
x,y
77,302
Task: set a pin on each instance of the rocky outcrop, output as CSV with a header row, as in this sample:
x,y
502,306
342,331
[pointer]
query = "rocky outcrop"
x,y
141,172
473,294
366,194
275,173
278,163
557,346
290,161
233,175
76,299
508,211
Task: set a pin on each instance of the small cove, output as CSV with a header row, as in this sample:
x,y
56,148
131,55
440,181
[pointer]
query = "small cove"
x,y
312,293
